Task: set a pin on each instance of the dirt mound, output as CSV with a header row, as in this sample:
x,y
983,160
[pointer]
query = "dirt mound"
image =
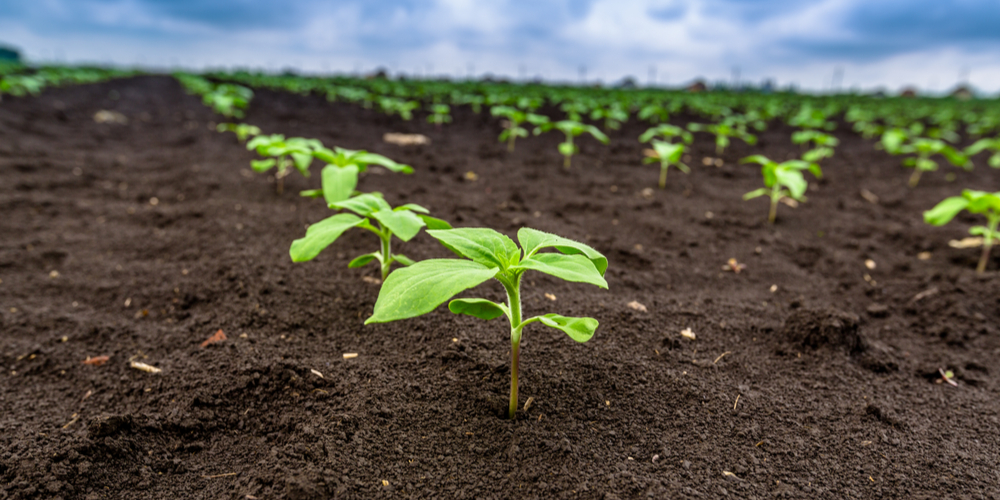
x,y
828,327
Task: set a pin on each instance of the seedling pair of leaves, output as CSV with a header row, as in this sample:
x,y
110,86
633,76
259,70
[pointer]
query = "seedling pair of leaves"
x,y
228,99
823,144
439,114
283,154
781,180
975,202
613,116
343,166
515,117
420,288
723,132
571,129
242,130
375,215
393,105
897,141
666,152
992,145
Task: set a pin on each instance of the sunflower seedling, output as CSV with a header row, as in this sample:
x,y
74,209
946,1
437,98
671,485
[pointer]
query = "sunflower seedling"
x,y
571,129
440,114
992,145
722,132
340,175
924,148
823,144
375,215
420,288
283,154
975,202
242,130
667,154
667,132
512,125
781,180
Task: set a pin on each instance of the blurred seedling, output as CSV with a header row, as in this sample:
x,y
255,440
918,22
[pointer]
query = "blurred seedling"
x,y
974,202
242,130
781,180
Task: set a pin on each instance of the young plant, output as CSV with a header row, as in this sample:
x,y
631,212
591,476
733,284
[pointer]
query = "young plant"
x,y
975,202
571,129
654,113
992,145
925,148
422,287
242,130
667,132
394,105
515,117
439,114
228,99
823,144
781,180
283,154
722,132
404,222
340,175
667,154
613,116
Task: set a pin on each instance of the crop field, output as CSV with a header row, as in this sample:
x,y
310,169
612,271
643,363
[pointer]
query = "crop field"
x,y
250,286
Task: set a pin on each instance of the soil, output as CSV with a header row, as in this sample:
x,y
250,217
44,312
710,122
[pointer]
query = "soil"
x,y
811,375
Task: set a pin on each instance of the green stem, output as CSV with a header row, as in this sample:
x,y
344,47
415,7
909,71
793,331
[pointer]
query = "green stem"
x,y
775,198
514,305
510,141
386,238
663,175
915,178
987,244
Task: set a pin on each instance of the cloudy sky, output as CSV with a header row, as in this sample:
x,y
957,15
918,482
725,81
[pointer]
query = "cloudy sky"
x,y
930,44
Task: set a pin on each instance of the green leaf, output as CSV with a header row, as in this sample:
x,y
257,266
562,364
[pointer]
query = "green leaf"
x,y
320,235
262,165
413,207
404,224
945,211
576,268
311,193
361,260
339,182
372,158
364,204
402,259
578,329
756,193
434,223
482,245
533,240
420,288
793,180
480,308
302,162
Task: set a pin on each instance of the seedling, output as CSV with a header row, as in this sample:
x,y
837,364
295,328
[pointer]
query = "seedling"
x,y
393,105
283,153
242,130
723,132
340,175
667,132
823,144
404,222
667,154
515,117
947,376
992,145
781,180
613,116
975,202
422,287
572,129
925,148
654,113
439,115
21,85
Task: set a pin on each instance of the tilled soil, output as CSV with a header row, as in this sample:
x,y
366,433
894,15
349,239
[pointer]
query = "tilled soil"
x,y
812,375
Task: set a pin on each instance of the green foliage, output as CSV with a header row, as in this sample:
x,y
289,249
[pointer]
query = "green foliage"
x,y
226,99
992,145
974,202
340,175
823,144
282,154
571,129
722,132
485,254
667,132
898,141
512,126
781,180
440,114
667,154
613,116
242,130
375,215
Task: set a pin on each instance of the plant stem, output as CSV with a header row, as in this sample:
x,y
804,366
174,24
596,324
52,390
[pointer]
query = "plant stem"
x,y
663,176
386,238
281,183
915,178
775,198
514,305
566,162
987,244
510,141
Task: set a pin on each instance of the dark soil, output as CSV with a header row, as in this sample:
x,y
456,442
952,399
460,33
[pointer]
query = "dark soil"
x,y
806,380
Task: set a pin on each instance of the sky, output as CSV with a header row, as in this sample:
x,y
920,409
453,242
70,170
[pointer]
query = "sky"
x,y
818,45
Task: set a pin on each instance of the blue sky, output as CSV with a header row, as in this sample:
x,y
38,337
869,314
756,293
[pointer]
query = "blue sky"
x,y
890,43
